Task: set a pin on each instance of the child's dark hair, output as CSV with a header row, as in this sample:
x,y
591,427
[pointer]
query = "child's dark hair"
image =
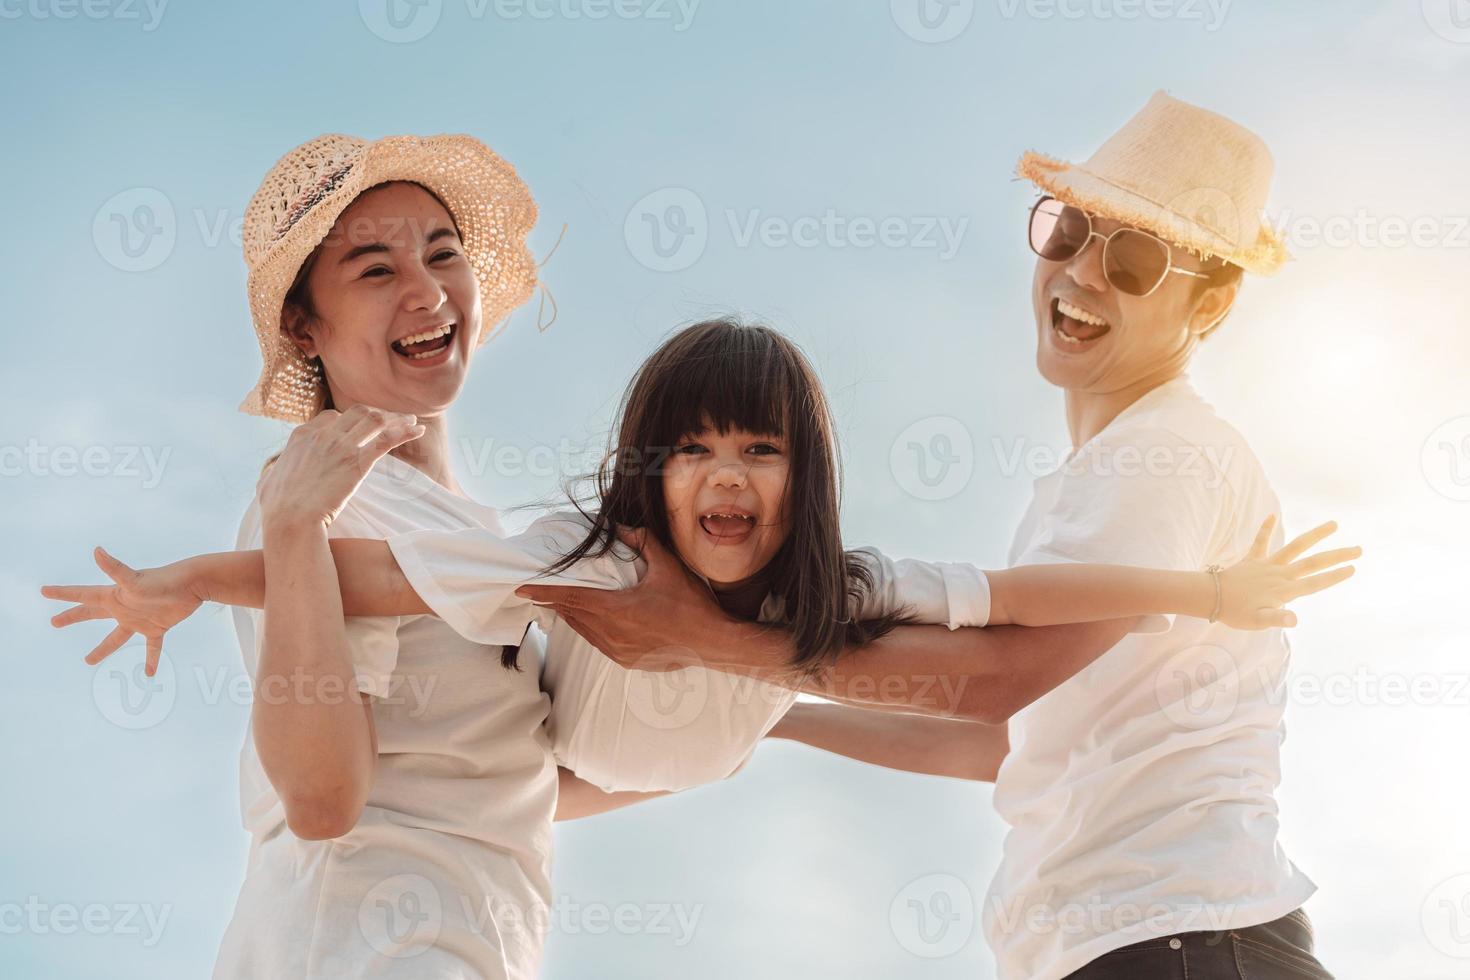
x,y
731,375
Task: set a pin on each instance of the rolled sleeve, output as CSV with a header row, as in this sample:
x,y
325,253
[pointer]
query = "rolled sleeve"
x,y
951,594
967,591
469,577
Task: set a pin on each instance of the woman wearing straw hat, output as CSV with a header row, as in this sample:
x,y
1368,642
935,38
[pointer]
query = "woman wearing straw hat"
x,y
397,783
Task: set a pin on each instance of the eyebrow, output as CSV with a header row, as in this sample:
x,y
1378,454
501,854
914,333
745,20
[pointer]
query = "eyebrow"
x,y
361,250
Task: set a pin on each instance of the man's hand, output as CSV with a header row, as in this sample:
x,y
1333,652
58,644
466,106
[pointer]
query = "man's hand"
x,y
667,621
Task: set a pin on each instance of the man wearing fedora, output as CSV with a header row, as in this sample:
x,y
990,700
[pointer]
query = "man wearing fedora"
x,y
1135,763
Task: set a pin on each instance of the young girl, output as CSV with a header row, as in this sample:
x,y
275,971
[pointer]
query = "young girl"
x,y
724,456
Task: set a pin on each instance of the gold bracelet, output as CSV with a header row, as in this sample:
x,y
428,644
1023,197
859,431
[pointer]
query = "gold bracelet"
x,y
1214,571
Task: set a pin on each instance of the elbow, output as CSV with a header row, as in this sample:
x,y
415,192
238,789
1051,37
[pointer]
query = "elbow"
x,y
322,819
322,816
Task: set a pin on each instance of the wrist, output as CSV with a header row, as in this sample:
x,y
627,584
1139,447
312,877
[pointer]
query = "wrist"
x,y
284,527
201,576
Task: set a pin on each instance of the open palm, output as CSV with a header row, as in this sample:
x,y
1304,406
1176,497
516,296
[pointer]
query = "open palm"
x,y
148,602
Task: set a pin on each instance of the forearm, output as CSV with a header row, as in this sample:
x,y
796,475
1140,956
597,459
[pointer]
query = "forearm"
x,y
907,742
309,721
983,675
1048,595
369,580
578,798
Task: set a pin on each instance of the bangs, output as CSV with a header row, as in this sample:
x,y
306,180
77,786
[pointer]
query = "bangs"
x,y
743,378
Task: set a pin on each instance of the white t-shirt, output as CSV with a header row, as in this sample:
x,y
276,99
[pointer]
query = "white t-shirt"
x,y
447,873
623,729
1139,793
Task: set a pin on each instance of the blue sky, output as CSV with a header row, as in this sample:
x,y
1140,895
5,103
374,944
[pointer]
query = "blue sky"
x,y
788,133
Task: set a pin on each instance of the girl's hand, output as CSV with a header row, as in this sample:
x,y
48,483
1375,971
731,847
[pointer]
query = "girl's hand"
x,y
1254,590
150,601
325,461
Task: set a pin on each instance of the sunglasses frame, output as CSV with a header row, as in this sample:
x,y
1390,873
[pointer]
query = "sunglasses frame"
x,y
1169,265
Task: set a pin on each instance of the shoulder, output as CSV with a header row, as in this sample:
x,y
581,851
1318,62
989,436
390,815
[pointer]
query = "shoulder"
x,y
1179,437
562,532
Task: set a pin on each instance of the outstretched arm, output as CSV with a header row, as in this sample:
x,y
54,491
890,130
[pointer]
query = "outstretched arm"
x,y
368,576
151,601
983,675
908,742
577,798
1251,595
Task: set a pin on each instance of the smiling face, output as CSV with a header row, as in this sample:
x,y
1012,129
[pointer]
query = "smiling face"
x,y
1091,337
725,493
393,304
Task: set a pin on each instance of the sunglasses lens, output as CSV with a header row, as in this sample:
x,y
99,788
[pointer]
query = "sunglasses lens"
x,y
1135,262
1058,231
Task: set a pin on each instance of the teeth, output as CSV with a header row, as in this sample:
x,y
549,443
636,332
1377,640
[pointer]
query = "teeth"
x,y
1082,316
426,335
740,517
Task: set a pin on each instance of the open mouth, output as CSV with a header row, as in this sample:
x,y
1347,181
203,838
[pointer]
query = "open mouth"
x,y
727,527
1074,327
426,344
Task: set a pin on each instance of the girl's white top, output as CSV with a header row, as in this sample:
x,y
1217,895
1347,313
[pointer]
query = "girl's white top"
x,y
628,729
447,873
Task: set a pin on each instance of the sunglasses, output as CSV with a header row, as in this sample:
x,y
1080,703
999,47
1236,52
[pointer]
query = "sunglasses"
x,y
1134,261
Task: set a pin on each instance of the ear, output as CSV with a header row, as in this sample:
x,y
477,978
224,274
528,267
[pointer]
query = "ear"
x,y
1212,307
296,325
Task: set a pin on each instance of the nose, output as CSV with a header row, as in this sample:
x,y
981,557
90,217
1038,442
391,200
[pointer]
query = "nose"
x,y
1086,267
729,475
421,288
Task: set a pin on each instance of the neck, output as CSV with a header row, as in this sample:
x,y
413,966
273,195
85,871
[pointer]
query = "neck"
x,y
742,600
429,453
1089,412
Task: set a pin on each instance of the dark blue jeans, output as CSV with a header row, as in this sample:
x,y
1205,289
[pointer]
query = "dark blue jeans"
x,y
1280,950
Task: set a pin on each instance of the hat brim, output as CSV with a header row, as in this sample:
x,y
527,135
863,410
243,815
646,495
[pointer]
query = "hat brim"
x,y
1074,185
490,204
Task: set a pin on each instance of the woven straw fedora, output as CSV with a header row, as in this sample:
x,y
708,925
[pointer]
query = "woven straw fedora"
x,y
1194,178
309,188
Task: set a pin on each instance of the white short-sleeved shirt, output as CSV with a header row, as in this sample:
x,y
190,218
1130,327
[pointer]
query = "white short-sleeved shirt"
x,y
447,873
1140,792
628,729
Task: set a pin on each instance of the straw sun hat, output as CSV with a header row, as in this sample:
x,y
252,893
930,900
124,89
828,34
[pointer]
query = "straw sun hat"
x,y
1190,176
309,188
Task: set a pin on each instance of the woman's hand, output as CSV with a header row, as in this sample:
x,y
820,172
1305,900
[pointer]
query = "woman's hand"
x,y
150,601
325,461
1254,590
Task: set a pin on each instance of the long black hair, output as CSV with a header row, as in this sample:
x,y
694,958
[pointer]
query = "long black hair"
x,y
730,375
